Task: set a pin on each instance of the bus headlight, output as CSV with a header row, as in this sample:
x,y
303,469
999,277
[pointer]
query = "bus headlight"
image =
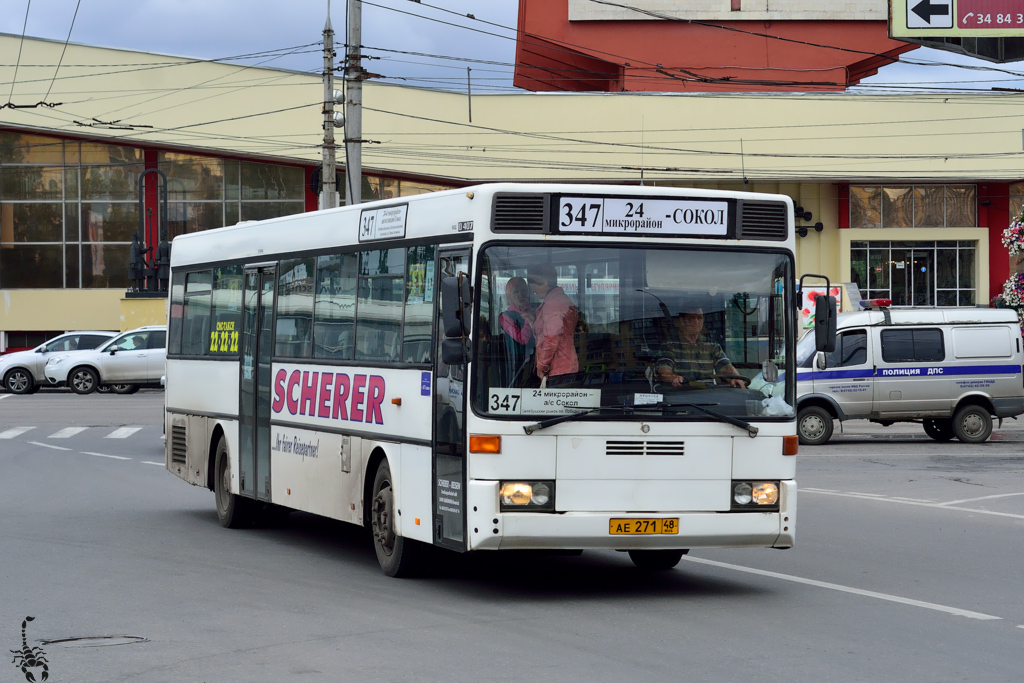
x,y
527,496
755,495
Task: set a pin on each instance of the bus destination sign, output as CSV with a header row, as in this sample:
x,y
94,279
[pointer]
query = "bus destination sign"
x,y
383,224
644,216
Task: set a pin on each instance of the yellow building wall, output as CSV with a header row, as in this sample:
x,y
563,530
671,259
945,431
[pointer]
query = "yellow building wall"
x,y
30,310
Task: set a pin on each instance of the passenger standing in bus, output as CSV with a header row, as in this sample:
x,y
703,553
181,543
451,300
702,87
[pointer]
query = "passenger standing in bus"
x,y
517,332
691,357
555,324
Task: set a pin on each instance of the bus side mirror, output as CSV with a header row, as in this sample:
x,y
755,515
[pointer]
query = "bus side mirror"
x,y
454,352
825,320
456,306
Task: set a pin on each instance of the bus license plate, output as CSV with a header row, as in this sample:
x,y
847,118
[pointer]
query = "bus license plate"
x,y
633,527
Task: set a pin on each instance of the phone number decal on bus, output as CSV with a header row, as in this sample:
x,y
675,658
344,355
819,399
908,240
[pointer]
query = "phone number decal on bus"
x,y
643,216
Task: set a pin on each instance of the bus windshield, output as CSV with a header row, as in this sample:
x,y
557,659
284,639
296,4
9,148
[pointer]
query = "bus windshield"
x,y
566,329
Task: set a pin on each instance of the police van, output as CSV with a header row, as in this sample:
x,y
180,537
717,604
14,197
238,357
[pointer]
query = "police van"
x,y
952,369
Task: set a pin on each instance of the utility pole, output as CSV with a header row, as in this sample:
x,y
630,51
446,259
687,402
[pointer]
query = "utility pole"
x,y
354,105
328,175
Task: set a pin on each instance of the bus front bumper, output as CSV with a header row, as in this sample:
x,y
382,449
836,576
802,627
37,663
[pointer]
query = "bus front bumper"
x,y
582,530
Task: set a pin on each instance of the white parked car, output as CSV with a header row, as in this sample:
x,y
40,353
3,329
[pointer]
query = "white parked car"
x,y
22,371
125,363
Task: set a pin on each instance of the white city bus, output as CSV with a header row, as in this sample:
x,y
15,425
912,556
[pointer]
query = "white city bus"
x,y
351,363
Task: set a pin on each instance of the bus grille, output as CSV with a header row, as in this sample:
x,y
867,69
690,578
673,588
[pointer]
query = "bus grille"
x,y
763,221
645,448
179,448
520,213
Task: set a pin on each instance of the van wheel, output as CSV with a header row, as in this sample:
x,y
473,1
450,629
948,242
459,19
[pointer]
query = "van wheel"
x,y
397,556
814,426
656,560
972,424
940,429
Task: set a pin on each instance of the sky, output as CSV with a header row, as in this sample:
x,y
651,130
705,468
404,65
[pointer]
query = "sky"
x,y
428,43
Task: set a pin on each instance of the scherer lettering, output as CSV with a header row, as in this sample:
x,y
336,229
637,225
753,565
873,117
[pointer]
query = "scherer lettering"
x,y
335,396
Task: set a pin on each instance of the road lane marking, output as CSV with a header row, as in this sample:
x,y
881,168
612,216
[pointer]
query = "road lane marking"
x,y
6,396
848,589
122,433
14,431
47,445
67,433
971,500
902,501
150,462
104,455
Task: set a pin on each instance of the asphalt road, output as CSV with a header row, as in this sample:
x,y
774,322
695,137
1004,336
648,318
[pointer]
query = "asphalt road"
x,y
907,568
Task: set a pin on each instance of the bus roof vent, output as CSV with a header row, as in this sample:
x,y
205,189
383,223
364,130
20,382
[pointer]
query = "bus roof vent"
x,y
763,221
520,212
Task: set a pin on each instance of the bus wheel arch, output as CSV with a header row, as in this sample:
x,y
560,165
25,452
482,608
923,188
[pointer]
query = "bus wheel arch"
x,y
397,556
211,456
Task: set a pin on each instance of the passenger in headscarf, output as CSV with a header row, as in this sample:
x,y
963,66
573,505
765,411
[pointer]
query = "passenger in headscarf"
x,y
517,330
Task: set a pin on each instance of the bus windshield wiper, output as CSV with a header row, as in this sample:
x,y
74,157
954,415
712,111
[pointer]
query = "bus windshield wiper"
x,y
552,421
751,429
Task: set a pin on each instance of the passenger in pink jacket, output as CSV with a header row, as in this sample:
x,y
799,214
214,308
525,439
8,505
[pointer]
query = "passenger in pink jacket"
x,y
555,324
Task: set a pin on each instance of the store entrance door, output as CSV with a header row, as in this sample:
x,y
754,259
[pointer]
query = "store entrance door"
x,y
912,277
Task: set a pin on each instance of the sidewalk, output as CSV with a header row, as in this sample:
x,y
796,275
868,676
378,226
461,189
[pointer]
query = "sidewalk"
x,y
1012,430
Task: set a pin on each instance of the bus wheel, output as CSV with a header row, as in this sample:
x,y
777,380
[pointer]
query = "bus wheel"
x,y
397,556
814,426
940,429
972,424
656,560
233,511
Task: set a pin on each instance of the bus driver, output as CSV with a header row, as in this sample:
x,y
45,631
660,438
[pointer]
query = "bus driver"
x,y
692,357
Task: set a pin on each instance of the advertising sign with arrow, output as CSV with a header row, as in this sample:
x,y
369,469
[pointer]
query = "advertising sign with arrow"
x,y
950,18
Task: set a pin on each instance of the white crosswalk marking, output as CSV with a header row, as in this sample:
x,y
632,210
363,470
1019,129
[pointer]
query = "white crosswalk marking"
x,y
67,432
15,431
122,433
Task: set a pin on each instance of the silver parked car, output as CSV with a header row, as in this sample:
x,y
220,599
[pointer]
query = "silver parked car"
x,y
22,371
126,362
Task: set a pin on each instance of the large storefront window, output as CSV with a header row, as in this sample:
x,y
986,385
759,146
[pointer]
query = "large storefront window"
x,y
940,273
914,206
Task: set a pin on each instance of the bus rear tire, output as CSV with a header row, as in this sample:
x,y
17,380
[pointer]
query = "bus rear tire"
x,y
814,426
940,429
398,556
972,424
656,560
233,511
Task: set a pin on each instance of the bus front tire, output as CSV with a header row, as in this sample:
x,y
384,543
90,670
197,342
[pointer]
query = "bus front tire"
x,y
656,560
814,426
398,556
233,511
972,424
940,429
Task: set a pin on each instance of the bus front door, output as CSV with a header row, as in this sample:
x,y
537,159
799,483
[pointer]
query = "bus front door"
x,y
449,466
254,397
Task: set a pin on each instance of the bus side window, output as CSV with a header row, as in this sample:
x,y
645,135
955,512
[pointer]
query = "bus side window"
x,y
335,310
419,305
226,312
381,294
195,329
294,336
174,319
